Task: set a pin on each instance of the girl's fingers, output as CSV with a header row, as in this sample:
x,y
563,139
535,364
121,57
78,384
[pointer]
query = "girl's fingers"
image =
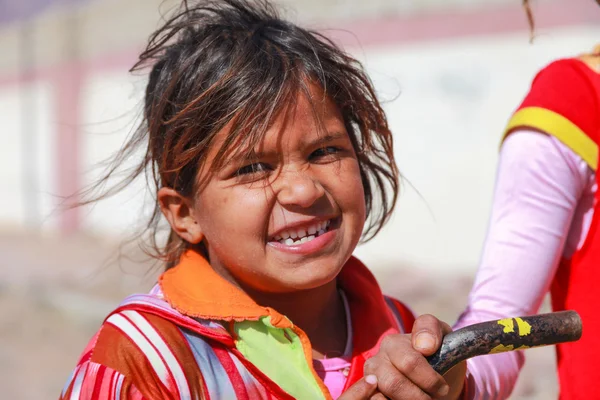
x,y
395,385
403,372
401,367
364,389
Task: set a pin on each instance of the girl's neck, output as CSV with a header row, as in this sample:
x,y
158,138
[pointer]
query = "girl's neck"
x,y
318,312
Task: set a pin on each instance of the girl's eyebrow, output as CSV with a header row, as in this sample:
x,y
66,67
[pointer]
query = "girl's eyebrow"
x,y
329,137
252,155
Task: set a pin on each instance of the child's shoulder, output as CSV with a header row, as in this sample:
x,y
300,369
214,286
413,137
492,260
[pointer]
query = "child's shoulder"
x,y
144,348
563,68
592,59
130,354
130,336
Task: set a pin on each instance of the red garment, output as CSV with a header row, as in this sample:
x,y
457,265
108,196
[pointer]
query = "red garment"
x,y
564,101
150,347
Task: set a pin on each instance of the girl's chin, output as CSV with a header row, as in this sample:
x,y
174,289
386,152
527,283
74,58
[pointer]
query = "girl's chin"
x,y
310,275
298,285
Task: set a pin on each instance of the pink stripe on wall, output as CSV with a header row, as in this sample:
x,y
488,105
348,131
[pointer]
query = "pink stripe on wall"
x,y
117,61
456,23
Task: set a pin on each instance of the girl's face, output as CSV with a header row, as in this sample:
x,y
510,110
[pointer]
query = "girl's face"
x,y
291,219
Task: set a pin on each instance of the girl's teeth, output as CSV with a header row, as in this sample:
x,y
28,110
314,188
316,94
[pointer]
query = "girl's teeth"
x,y
290,241
302,235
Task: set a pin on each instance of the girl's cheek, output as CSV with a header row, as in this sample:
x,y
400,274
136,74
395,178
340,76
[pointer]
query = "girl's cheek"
x,y
249,204
358,188
353,179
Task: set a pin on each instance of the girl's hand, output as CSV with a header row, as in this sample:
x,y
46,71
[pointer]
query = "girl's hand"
x,y
402,372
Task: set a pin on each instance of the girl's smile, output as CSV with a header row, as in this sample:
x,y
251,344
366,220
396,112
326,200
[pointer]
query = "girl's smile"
x,y
305,237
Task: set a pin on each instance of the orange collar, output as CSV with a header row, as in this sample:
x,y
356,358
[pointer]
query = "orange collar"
x,y
194,289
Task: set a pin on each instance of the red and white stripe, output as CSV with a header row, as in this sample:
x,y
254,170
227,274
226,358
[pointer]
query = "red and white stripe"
x,y
171,362
78,382
154,348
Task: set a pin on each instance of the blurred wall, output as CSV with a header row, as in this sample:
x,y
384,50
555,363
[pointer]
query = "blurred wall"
x,y
450,73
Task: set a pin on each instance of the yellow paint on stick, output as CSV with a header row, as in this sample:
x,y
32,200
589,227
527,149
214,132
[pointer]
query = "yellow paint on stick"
x,y
508,324
501,349
524,327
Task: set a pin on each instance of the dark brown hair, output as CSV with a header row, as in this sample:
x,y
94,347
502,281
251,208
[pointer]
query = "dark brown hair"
x,y
218,62
530,20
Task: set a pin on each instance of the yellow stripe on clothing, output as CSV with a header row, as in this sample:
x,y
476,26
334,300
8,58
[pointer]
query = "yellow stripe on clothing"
x,y
558,126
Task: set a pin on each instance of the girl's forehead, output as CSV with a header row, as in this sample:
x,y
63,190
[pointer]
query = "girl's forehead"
x,y
307,117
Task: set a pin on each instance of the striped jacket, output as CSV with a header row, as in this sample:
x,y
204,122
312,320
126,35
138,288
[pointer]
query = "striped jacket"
x,y
195,336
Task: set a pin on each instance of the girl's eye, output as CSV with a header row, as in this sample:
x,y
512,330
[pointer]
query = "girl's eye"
x,y
252,169
325,152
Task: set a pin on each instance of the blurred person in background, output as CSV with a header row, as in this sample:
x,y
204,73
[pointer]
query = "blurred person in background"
x,y
544,229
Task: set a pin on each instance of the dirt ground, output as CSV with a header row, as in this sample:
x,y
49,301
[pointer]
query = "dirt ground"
x,y
54,293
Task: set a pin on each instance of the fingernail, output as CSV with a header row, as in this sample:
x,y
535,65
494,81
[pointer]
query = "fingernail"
x,y
424,341
371,379
443,390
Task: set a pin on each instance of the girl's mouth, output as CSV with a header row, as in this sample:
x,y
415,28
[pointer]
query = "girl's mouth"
x,y
302,235
307,240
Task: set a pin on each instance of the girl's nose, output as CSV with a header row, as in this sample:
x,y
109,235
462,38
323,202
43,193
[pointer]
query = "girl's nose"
x,y
299,189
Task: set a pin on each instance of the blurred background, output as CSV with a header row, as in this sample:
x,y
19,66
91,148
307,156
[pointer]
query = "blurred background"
x,y
450,73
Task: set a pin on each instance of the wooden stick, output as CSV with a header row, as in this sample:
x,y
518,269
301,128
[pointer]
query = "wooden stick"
x,y
507,334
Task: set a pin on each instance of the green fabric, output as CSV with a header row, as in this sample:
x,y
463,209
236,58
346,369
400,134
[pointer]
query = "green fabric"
x,y
279,357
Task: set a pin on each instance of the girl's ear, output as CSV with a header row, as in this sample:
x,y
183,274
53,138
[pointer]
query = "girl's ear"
x,y
178,211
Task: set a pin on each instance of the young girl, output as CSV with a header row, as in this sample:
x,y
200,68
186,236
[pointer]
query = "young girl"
x,y
270,153
543,233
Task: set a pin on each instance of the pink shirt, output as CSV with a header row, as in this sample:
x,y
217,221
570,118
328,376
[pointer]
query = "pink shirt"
x,y
542,209
334,370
